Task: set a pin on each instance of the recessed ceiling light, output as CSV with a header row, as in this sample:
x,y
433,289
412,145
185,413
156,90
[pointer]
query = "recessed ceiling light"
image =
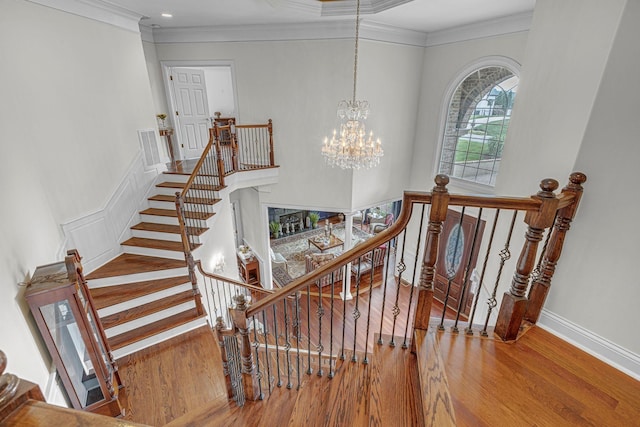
x,y
167,15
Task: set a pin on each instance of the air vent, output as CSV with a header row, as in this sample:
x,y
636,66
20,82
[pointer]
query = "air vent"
x,y
149,144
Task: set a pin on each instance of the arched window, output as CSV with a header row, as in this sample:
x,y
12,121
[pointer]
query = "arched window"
x,y
477,119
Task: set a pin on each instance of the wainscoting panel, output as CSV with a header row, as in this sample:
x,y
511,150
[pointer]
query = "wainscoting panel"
x,y
97,236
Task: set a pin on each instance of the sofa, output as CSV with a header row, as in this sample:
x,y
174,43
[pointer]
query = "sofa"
x,y
313,261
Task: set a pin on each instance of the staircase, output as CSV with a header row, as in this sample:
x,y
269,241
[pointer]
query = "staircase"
x,y
386,391
144,295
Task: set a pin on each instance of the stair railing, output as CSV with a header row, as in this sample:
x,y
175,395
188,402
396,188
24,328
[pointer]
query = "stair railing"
x,y
194,204
306,326
254,146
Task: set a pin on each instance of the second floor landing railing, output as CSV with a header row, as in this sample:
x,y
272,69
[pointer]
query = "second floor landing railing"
x,y
231,148
306,327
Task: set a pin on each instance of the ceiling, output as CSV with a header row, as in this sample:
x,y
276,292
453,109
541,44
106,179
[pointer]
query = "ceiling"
x,y
418,15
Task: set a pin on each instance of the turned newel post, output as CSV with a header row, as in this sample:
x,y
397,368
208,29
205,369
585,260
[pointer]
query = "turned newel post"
x,y
437,215
216,137
234,144
514,302
249,374
540,286
272,160
223,355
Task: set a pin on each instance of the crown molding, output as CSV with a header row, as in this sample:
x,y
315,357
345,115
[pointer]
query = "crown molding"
x,y
302,31
337,8
493,27
146,34
97,10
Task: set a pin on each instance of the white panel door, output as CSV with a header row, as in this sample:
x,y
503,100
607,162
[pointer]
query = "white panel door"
x,y
192,116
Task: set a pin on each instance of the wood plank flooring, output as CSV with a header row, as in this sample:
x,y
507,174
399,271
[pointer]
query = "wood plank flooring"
x,y
538,380
172,378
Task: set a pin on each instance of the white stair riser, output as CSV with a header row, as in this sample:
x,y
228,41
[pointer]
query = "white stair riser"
x,y
162,205
159,219
162,253
154,317
145,299
188,206
156,339
173,177
145,234
169,191
138,277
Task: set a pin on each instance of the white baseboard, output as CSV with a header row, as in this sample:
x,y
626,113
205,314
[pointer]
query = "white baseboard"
x,y
610,353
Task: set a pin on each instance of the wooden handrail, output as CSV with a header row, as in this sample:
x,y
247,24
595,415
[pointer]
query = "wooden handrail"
x,y
232,281
198,165
409,199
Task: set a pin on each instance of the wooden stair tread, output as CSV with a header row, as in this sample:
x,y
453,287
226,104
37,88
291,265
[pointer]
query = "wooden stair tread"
x,y
195,186
172,213
138,334
146,309
109,295
437,404
166,245
166,228
192,200
125,264
395,392
342,400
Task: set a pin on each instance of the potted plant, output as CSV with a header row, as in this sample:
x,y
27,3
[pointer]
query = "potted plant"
x,y
275,229
314,217
162,117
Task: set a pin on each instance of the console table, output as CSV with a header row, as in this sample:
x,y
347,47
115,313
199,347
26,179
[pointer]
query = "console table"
x,y
168,133
249,268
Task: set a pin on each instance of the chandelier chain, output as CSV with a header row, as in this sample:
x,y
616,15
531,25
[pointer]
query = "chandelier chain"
x,y
355,61
351,147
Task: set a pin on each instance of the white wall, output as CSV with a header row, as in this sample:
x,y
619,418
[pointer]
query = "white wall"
x,y
566,53
389,77
596,284
74,92
299,84
220,90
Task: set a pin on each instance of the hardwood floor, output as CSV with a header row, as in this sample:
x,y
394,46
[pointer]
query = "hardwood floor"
x,y
539,380
172,378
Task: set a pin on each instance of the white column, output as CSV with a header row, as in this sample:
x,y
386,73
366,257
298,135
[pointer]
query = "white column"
x,y
346,280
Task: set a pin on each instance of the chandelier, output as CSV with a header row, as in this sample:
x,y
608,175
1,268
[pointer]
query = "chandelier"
x,y
352,148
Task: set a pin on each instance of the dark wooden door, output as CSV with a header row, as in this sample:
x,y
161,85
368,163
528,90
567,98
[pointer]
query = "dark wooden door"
x,y
454,251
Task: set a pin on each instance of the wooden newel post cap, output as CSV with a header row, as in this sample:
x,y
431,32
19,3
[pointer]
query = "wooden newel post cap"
x,y
577,178
441,181
547,187
241,302
219,323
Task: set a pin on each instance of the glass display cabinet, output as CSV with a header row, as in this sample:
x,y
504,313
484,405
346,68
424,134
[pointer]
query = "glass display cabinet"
x,y
61,304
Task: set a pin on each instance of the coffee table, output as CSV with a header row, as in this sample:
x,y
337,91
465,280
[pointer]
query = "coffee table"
x,y
334,242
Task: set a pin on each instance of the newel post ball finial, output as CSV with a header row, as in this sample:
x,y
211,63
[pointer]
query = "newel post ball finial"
x,y
577,178
548,186
241,302
441,181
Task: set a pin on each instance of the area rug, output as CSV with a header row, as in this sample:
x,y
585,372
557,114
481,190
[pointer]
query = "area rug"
x,y
294,248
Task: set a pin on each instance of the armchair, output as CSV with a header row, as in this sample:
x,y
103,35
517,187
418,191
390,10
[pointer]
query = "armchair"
x,y
388,220
278,260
